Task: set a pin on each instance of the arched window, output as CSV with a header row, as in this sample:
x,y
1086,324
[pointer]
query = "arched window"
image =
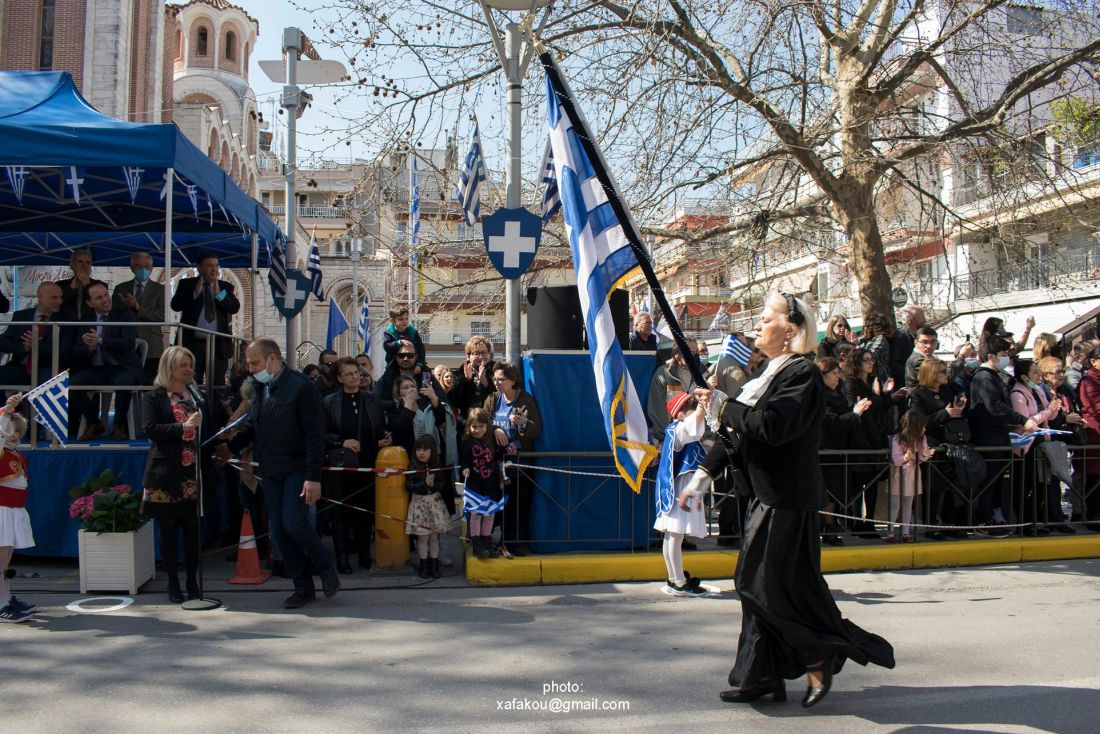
x,y
179,43
202,47
230,46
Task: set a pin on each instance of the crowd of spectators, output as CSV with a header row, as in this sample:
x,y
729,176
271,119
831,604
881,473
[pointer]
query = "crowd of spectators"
x,y
962,408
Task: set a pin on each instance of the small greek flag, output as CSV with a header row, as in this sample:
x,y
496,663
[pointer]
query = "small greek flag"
x,y
314,268
551,199
362,331
1023,440
276,274
468,191
50,401
736,349
476,504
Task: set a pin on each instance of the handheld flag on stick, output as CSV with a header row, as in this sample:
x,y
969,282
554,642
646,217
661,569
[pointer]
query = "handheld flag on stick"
x,y
50,401
736,349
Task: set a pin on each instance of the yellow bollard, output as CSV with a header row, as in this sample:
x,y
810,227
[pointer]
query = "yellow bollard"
x,y
391,500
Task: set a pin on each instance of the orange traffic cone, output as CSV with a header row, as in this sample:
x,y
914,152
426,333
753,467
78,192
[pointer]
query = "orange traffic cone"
x,y
248,558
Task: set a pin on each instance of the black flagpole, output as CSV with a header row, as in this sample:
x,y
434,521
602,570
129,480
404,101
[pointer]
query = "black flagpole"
x,y
599,166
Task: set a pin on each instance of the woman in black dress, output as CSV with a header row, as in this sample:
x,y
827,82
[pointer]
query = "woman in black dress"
x,y
171,489
790,624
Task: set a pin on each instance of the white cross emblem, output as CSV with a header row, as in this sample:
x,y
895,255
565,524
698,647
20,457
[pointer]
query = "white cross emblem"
x,y
511,244
292,296
74,182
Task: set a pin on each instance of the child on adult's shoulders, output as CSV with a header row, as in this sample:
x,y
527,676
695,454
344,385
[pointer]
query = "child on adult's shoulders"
x,y
399,329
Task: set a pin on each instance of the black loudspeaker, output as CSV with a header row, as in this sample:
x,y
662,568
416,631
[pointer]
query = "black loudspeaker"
x,y
554,319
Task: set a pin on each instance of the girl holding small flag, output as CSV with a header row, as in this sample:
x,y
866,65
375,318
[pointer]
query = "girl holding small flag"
x,y
481,457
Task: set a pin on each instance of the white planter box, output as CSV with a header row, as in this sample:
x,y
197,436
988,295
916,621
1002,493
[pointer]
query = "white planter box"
x,y
116,561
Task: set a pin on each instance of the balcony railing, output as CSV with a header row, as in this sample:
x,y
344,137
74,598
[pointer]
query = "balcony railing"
x,y
1031,275
312,212
701,291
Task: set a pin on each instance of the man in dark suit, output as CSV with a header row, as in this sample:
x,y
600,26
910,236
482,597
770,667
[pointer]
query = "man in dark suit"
x,y
144,297
207,303
73,296
18,340
101,353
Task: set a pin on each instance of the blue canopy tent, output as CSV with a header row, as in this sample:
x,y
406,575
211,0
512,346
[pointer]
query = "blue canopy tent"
x,y
74,178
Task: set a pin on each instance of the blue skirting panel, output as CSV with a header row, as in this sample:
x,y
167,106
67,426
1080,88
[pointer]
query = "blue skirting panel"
x,y
571,512
53,472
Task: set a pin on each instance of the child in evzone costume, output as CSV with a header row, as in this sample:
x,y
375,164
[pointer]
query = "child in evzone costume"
x,y
681,454
427,516
15,523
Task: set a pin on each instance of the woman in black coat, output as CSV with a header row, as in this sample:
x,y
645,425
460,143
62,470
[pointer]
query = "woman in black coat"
x,y
355,424
790,624
171,490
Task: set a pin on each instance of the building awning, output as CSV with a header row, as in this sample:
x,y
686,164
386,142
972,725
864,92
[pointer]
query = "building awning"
x,y
1049,317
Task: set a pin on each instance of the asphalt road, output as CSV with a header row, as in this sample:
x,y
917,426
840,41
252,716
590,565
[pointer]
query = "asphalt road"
x,y
1001,649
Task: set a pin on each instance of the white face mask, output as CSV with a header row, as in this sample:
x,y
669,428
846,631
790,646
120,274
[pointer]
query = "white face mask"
x,y
264,376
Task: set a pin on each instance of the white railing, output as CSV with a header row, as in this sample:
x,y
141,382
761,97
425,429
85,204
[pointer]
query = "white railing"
x,y
314,212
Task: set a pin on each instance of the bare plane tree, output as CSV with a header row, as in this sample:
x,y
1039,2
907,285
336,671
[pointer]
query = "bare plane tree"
x,y
807,111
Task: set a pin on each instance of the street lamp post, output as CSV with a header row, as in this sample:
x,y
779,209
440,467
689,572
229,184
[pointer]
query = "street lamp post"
x,y
295,101
514,56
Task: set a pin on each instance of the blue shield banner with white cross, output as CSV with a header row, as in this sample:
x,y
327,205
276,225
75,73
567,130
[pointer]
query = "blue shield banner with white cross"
x,y
293,298
511,238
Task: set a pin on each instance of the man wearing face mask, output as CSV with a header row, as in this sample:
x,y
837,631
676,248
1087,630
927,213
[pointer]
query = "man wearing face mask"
x,y
991,418
286,428
145,297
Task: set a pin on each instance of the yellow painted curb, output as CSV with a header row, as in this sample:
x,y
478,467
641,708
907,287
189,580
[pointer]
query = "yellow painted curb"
x,y
586,568
1053,549
867,558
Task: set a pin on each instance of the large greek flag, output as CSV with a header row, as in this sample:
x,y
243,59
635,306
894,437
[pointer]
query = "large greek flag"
x,y
50,401
314,268
602,259
468,191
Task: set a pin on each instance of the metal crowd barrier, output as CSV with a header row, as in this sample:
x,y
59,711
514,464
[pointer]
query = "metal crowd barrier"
x,y
851,489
